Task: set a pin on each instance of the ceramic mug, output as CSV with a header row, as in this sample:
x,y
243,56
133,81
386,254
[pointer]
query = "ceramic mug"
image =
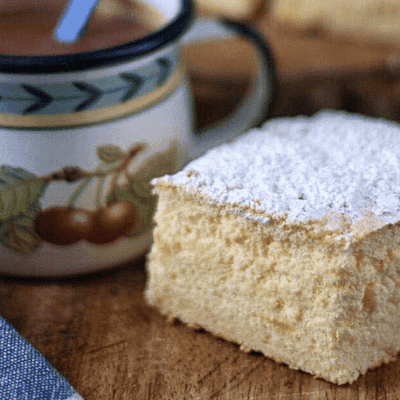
x,y
82,134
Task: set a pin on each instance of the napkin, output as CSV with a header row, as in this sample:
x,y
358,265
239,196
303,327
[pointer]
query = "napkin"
x,y
25,374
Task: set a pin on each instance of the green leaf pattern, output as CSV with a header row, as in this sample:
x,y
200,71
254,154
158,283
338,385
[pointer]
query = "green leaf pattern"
x,y
19,191
110,153
167,162
17,232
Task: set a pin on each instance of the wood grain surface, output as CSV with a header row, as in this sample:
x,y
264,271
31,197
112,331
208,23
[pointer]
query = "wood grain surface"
x,y
98,331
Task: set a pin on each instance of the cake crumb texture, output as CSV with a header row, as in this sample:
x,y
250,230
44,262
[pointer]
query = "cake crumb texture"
x,y
316,287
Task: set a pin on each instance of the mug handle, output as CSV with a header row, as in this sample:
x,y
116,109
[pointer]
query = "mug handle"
x,y
255,107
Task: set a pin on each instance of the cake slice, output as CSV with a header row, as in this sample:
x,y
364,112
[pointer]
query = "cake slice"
x,y
286,241
369,22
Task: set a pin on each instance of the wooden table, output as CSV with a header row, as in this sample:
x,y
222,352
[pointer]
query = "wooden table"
x,y
98,331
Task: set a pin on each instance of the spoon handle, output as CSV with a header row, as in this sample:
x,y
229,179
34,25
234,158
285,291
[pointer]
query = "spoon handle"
x,y
73,20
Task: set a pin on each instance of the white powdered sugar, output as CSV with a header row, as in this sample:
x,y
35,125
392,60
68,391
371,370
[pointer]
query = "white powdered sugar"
x,y
304,167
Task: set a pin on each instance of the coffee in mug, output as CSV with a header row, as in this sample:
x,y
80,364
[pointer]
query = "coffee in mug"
x,y
26,29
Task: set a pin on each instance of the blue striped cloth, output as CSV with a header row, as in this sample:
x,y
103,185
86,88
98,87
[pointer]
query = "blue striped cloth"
x,y
25,374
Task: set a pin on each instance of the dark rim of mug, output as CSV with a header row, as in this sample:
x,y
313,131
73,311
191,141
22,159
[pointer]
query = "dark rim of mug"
x,y
265,52
102,57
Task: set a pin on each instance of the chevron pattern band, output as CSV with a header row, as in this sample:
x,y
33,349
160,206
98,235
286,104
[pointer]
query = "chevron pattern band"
x,y
75,103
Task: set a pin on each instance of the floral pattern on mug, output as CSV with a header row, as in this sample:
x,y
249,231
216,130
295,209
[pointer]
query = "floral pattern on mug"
x,y
126,212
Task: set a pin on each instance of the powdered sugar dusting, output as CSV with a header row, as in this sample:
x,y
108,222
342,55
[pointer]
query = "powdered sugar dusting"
x,y
305,167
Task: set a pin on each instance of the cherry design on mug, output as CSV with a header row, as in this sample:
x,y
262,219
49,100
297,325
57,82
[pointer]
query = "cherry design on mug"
x,y
111,222
67,225
123,210
63,225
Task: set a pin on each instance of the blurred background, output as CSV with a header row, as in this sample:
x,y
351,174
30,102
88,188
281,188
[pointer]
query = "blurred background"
x,y
336,54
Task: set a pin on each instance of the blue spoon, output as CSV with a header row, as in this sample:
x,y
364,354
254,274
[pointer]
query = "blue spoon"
x,y
73,20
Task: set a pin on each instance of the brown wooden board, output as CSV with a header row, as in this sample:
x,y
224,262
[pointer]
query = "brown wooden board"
x,y
99,332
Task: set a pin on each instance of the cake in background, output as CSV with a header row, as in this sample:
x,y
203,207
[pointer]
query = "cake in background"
x,y
372,22
335,54
232,9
